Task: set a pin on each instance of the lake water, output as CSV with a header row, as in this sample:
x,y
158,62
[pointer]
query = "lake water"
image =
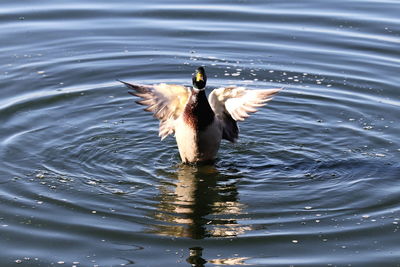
x,y
313,180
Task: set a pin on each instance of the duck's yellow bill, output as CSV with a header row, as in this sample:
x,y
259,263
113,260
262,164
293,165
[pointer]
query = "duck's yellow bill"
x,y
199,77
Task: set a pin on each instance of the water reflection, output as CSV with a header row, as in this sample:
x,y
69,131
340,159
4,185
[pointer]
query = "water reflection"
x,y
200,202
195,259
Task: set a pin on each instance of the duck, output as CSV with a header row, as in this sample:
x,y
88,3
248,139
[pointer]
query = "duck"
x,y
199,122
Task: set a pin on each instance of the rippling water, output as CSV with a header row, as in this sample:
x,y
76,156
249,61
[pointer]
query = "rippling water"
x,y
313,180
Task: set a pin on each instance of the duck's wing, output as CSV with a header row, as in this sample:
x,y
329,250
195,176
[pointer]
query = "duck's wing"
x,y
232,104
166,101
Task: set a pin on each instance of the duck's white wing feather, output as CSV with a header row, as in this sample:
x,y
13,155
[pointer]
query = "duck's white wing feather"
x,y
231,104
165,101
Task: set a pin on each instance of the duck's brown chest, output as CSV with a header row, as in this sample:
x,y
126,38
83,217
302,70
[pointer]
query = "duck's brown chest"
x,y
198,113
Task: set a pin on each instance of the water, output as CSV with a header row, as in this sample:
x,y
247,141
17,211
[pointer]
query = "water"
x,y
313,180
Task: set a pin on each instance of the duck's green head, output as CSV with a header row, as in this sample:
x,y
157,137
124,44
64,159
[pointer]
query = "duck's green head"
x,y
199,78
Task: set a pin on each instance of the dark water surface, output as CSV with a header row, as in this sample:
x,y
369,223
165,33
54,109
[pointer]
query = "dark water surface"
x,y
313,181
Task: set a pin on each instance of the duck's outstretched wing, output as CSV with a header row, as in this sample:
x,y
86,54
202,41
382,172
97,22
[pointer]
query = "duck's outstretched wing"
x,y
166,101
232,104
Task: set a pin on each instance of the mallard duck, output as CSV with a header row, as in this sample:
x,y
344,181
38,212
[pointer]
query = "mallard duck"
x,y
199,123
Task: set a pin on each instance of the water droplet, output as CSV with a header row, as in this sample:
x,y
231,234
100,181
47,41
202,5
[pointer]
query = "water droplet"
x,y
40,175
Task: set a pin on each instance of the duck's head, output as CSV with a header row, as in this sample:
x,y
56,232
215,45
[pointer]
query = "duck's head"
x,y
199,79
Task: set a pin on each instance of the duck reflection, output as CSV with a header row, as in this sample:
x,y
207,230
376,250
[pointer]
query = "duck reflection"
x,y
195,259
200,202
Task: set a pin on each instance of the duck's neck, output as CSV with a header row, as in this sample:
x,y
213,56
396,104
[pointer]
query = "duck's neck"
x,y
198,112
